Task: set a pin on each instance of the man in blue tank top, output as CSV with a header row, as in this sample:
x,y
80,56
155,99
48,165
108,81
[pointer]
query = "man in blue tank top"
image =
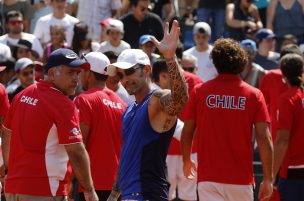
x,y
149,123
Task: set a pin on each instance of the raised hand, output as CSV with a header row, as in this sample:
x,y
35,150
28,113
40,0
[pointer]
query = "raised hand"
x,y
168,44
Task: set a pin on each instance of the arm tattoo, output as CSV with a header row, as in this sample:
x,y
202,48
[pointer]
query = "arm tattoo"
x,y
174,102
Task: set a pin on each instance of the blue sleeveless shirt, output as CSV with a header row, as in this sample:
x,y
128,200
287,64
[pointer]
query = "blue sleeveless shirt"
x,y
142,172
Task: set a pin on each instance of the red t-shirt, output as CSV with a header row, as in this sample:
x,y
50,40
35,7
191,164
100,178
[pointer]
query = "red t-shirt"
x,y
224,110
102,110
175,146
42,121
272,87
291,117
4,103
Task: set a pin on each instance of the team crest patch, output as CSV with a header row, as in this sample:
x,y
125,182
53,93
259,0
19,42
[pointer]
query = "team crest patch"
x,y
75,131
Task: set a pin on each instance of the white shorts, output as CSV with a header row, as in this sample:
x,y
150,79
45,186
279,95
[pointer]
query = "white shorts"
x,y
212,191
177,179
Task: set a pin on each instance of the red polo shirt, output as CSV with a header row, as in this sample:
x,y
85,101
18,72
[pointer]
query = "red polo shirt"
x,y
102,110
272,87
42,121
4,103
291,117
175,146
224,110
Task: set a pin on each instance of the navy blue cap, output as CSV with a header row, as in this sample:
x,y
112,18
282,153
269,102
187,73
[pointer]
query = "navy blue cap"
x,y
265,34
67,57
247,43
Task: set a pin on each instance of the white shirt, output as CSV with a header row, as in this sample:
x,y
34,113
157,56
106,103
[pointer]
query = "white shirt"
x,y
36,45
106,46
92,12
42,29
5,52
206,69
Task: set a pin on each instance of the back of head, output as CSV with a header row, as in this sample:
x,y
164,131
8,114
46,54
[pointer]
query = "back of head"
x,y
290,49
228,56
159,66
292,67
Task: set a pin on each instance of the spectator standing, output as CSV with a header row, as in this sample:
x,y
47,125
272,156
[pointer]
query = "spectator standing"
x,y
94,11
49,138
189,63
57,41
286,17
82,42
99,106
212,11
266,57
142,163
22,6
288,149
141,20
146,44
40,9
115,31
14,23
25,73
163,8
253,73
7,75
225,170
58,17
243,19
201,50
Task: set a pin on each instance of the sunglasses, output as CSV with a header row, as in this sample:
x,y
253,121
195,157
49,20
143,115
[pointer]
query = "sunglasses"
x,y
130,71
189,69
15,22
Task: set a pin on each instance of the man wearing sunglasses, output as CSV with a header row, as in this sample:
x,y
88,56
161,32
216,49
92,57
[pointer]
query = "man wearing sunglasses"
x,y
149,123
25,73
42,141
14,23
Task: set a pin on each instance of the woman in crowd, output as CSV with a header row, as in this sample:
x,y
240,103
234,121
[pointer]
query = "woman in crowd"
x,y
243,19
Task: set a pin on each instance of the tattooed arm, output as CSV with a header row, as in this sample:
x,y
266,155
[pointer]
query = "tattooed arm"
x,y
172,102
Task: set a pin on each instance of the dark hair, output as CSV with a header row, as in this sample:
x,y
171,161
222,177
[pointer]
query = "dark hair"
x,y
290,49
111,55
11,14
100,77
159,66
81,31
292,67
228,56
135,2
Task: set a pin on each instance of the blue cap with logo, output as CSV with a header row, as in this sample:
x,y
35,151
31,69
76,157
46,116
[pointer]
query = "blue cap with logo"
x,y
265,34
247,43
144,39
67,57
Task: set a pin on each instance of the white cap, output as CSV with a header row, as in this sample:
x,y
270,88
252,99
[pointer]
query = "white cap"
x,y
202,27
23,63
129,58
115,24
98,62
